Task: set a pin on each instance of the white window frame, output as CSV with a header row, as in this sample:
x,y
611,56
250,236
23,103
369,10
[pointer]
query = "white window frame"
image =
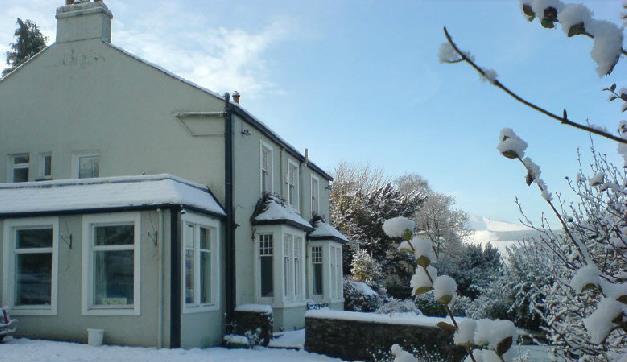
x,y
12,166
8,281
76,162
89,222
42,165
299,270
296,202
260,298
197,222
315,191
267,147
317,259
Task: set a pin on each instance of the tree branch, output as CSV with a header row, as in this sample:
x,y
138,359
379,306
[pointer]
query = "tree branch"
x,y
562,119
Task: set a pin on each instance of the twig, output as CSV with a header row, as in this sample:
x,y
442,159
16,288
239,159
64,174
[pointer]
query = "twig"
x,y
562,119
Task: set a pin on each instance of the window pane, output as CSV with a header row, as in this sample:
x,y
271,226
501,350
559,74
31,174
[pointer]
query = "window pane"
x,y
189,275
189,236
20,175
114,277
47,165
205,238
317,279
114,235
21,159
33,238
34,279
266,276
205,277
88,167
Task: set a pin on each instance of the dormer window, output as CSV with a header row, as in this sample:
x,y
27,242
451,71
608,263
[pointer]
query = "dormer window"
x,y
18,167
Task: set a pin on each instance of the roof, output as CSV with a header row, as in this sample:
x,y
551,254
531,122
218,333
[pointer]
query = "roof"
x,y
105,194
238,109
275,213
324,231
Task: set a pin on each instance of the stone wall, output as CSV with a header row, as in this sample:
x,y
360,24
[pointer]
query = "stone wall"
x,y
359,340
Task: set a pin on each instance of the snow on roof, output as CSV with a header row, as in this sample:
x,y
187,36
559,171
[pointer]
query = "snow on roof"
x,y
322,230
258,308
274,211
105,193
394,318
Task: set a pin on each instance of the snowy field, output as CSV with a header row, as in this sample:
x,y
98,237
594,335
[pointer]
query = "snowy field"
x,y
25,350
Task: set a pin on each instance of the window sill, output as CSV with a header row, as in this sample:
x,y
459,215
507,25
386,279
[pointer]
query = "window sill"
x,y
23,311
192,309
112,311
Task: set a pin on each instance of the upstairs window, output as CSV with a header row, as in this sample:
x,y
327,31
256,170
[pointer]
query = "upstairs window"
x,y
265,265
292,184
266,168
315,196
45,166
316,260
88,166
18,167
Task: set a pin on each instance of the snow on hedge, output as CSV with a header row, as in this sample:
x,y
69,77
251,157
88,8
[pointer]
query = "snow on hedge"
x,y
257,308
363,288
599,324
105,193
397,226
394,318
585,277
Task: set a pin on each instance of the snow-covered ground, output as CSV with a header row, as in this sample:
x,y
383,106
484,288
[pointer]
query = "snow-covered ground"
x,y
291,339
25,350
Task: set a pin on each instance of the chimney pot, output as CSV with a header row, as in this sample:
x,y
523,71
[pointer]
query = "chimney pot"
x,y
83,20
236,97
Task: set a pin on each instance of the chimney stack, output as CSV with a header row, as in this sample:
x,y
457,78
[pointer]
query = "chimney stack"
x,y
83,20
236,97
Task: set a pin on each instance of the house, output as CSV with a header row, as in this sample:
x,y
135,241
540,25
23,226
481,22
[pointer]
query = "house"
x,y
143,204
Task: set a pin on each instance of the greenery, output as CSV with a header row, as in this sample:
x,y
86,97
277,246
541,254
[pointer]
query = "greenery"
x,y
28,42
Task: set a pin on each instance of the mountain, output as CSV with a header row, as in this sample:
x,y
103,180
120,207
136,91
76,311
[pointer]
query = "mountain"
x,y
500,234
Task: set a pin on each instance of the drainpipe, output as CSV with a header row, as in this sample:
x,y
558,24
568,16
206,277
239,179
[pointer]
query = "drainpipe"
x,y
230,217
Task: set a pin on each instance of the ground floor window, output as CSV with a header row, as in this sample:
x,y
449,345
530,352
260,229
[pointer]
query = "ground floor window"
x,y
265,265
111,264
316,259
30,265
326,271
200,263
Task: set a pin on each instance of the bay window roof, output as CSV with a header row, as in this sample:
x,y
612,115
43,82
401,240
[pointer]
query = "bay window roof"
x,y
324,231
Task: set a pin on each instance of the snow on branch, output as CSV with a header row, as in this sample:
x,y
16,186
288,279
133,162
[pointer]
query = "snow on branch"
x,y
485,73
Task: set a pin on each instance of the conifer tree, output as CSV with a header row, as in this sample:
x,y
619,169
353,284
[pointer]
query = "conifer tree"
x,y
28,41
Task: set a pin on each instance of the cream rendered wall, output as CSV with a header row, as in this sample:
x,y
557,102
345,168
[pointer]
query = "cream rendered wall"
x,y
86,96
70,324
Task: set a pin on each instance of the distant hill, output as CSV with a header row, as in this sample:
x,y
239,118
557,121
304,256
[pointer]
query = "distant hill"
x,y
500,234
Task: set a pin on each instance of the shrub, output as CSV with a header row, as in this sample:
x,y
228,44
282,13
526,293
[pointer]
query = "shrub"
x,y
359,297
392,305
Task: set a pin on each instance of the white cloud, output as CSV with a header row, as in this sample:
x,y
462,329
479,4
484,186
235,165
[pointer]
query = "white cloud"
x,y
176,38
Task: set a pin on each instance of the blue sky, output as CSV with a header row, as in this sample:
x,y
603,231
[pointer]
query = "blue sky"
x,y
359,81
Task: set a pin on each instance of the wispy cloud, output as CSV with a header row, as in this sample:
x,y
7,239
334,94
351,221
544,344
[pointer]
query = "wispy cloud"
x,y
220,58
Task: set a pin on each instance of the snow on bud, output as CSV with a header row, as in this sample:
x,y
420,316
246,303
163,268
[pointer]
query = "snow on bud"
x,y
585,278
574,19
420,282
493,333
597,179
423,249
489,75
510,145
447,54
546,11
400,355
601,322
405,246
444,289
608,45
533,170
397,227
465,332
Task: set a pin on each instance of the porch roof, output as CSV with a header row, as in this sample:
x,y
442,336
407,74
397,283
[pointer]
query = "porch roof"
x,y
324,231
104,194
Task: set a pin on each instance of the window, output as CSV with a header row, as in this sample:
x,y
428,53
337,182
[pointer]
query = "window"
x,y
200,267
18,167
265,265
30,266
111,264
292,184
45,165
333,286
266,168
87,166
298,266
338,273
315,195
287,265
316,259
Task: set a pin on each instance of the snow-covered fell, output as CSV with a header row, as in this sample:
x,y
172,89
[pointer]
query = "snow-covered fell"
x,y
500,234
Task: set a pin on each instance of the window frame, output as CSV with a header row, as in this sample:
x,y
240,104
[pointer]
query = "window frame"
x,y
293,165
42,165
12,166
258,277
198,222
316,192
76,159
264,146
317,259
10,229
89,222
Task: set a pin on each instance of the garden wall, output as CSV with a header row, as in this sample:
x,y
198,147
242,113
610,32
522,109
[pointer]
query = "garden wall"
x,y
361,336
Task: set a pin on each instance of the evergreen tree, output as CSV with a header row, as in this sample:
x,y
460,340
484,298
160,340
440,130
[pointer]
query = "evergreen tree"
x,y
28,42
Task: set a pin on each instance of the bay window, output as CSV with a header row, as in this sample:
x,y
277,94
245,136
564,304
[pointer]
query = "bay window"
x,y
326,279
200,264
30,265
287,265
111,264
316,260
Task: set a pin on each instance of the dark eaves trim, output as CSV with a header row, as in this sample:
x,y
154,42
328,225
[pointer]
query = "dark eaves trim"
x,y
283,222
15,215
327,238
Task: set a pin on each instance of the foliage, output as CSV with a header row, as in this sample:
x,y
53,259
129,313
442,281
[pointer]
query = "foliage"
x,y
364,268
356,300
28,42
393,305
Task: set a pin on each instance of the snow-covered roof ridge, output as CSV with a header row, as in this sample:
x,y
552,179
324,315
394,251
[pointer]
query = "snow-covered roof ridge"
x,y
106,193
324,231
271,209
220,97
